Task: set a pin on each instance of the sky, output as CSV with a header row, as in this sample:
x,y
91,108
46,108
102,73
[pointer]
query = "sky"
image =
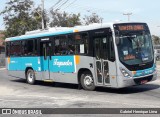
x,y
110,10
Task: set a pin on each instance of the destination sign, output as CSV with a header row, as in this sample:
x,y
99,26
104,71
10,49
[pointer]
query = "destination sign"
x,y
130,27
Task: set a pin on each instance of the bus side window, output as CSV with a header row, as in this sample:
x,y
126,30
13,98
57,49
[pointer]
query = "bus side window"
x,y
28,48
81,43
35,48
64,45
16,49
57,46
71,46
24,48
7,49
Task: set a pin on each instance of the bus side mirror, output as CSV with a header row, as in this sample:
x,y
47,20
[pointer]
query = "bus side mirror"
x,y
117,40
111,50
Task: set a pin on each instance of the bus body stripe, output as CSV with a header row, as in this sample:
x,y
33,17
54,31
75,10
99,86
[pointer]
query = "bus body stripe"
x,y
37,36
77,57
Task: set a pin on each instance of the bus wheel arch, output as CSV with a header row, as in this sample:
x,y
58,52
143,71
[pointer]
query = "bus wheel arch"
x,y
30,75
86,80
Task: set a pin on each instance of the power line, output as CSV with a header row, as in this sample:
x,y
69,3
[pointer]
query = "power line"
x,y
56,4
70,4
62,4
92,9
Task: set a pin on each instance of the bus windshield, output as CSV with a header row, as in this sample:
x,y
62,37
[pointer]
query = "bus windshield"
x,y
135,46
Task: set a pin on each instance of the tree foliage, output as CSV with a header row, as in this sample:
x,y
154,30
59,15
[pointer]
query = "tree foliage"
x,y
156,40
64,19
18,17
93,18
21,16
37,15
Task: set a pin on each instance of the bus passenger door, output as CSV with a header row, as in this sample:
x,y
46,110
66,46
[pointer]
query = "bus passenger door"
x,y
102,62
45,48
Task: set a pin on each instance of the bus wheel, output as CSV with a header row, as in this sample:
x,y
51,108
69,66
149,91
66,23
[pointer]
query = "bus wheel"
x,y
30,76
87,81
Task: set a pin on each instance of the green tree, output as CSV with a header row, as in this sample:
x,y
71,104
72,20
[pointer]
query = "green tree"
x,y
19,18
156,40
64,19
93,18
37,15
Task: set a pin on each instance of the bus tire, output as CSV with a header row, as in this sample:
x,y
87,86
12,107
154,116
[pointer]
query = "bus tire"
x,y
30,77
87,81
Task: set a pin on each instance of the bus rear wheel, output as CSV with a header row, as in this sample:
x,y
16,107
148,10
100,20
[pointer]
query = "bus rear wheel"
x,y
87,81
30,77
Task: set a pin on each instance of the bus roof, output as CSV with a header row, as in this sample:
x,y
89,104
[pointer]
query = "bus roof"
x,y
63,30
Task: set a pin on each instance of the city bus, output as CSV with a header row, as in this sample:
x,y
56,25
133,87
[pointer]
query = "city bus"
x,y
112,55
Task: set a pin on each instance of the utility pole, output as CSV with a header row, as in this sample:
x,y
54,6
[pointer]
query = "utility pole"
x,y
42,14
128,14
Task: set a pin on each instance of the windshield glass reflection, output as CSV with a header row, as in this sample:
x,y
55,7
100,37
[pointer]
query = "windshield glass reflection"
x,y
135,47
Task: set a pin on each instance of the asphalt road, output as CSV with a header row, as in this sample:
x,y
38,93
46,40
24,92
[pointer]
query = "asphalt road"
x,y
16,93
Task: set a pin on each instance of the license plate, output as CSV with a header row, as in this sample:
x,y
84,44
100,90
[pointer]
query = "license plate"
x,y
144,81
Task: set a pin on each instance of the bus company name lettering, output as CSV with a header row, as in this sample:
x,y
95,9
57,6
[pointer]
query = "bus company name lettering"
x,y
62,63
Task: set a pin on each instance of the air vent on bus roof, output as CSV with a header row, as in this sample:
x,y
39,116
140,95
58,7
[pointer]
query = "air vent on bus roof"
x,y
35,32
58,29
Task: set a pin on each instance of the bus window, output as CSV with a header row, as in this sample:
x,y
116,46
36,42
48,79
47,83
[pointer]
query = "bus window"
x,y
28,46
71,46
64,45
35,47
57,49
16,48
81,43
7,48
60,45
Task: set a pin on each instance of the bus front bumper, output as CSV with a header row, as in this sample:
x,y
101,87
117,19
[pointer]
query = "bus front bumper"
x,y
137,81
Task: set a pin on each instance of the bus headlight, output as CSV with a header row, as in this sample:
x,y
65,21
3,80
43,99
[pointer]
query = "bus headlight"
x,y
125,73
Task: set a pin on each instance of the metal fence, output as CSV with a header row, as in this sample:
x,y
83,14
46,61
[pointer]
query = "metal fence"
x,y
2,59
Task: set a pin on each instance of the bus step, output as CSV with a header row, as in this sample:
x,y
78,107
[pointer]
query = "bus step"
x,y
48,80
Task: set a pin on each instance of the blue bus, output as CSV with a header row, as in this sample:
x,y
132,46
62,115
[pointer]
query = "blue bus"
x,y
108,55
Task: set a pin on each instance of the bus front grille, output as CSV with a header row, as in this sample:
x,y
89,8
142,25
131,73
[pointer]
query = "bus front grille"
x,y
142,80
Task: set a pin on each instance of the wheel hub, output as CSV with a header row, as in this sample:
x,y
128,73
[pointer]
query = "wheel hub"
x,y
88,80
30,77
